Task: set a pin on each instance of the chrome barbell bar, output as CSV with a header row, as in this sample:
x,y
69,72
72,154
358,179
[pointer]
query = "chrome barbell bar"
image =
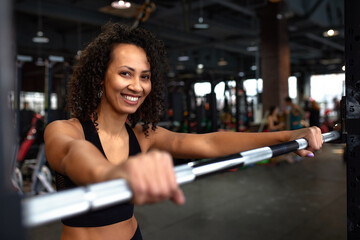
x,y
46,208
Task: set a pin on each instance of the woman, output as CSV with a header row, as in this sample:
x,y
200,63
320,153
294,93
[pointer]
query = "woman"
x,y
314,114
273,121
295,114
119,79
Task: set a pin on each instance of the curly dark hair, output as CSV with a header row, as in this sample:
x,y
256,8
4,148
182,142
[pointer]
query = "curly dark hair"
x,y
89,72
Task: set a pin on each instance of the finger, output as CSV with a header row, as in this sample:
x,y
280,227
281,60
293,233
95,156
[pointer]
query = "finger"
x,y
158,183
314,138
159,172
170,174
138,188
305,153
178,197
319,138
170,177
137,179
166,185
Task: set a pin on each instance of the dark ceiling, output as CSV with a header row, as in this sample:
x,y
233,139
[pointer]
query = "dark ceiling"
x,y
234,27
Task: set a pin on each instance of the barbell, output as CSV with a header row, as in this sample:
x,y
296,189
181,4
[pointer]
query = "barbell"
x,y
46,208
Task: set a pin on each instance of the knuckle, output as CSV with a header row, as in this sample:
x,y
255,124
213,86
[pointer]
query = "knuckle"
x,y
174,189
139,190
158,193
163,194
166,155
312,130
153,191
140,201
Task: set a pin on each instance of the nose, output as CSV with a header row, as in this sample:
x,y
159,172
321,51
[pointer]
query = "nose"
x,y
135,85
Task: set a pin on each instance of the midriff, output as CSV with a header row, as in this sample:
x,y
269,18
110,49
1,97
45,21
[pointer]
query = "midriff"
x,y
124,230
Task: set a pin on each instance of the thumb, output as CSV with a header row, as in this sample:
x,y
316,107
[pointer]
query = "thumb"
x,y
305,153
178,197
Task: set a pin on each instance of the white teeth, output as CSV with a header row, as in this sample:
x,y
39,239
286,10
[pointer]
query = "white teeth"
x,y
132,99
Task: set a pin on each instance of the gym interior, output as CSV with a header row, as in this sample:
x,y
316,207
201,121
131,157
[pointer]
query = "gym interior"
x,y
230,64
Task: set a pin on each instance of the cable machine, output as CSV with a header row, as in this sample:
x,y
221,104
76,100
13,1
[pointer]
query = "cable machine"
x,y
352,118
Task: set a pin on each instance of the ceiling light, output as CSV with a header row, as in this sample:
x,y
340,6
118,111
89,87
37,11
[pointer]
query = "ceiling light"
x,y
252,48
183,58
343,68
241,74
23,58
53,58
40,62
200,66
121,4
253,67
78,54
40,38
330,33
222,62
200,24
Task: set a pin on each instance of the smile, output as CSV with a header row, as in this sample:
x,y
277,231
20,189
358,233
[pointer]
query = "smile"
x,y
131,98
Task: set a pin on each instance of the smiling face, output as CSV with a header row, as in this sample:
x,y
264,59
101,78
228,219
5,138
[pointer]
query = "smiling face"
x,y
127,79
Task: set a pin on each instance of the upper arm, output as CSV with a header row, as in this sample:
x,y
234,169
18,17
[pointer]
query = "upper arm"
x,y
58,137
181,145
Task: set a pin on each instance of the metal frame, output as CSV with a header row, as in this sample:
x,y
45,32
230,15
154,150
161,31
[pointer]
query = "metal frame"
x,y
352,82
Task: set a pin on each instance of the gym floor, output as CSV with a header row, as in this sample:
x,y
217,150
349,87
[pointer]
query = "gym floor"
x,y
304,200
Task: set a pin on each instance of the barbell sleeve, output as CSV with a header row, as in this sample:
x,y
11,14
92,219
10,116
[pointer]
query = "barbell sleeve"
x,y
42,209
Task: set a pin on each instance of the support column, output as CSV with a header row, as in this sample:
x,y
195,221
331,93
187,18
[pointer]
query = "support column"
x,y
17,102
10,209
275,55
213,110
48,90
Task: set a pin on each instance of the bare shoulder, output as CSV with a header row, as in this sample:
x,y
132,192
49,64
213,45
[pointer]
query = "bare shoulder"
x,y
152,133
148,140
71,127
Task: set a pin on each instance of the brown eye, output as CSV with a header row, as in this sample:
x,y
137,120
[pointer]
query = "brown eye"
x,y
125,74
146,77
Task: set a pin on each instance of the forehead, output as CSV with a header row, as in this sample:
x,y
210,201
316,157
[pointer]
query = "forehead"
x,y
128,52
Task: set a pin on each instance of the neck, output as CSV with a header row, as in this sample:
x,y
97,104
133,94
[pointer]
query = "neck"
x,y
111,122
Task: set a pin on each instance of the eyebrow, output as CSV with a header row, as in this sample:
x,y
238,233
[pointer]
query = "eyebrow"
x,y
132,69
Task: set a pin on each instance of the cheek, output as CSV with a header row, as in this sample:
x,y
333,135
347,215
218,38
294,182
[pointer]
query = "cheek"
x,y
117,85
148,89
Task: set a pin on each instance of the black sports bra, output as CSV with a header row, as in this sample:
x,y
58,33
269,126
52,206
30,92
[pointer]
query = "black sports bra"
x,y
106,216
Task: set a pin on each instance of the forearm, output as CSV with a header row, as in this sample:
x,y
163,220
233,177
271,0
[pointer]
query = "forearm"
x,y
218,144
224,143
83,163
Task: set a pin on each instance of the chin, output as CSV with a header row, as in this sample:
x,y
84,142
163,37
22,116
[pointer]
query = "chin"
x,y
130,110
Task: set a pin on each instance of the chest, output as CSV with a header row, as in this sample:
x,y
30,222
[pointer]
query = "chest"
x,y
116,149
